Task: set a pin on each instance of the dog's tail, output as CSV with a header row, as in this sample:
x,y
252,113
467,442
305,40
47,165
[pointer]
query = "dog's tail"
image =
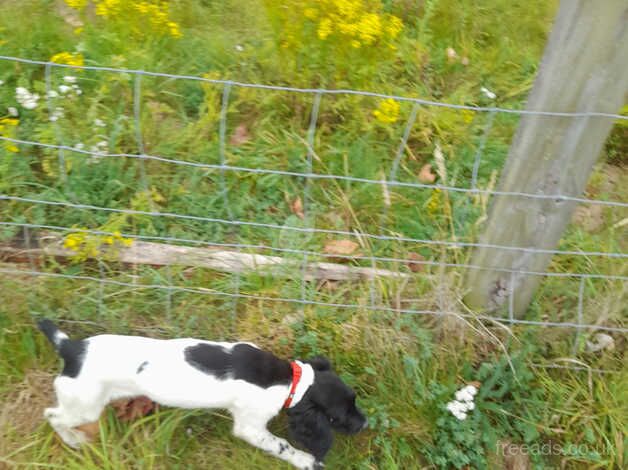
x,y
54,334
71,350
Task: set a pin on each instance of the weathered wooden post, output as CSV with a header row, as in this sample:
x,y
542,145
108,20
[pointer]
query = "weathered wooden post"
x,y
584,69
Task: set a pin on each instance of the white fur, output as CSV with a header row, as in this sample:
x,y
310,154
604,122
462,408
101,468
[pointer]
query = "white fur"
x,y
110,371
307,379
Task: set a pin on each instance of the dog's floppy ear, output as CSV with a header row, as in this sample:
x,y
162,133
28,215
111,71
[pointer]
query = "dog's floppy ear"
x,y
320,363
310,428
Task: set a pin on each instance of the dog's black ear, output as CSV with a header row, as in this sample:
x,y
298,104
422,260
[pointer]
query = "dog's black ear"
x,y
320,363
310,428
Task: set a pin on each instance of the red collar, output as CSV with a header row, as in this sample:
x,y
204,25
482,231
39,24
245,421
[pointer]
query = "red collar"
x,y
296,376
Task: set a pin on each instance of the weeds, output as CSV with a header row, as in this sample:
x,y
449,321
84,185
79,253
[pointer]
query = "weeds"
x,y
405,368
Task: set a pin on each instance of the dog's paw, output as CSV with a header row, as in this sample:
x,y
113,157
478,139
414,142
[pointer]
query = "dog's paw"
x,y
318,466
305,461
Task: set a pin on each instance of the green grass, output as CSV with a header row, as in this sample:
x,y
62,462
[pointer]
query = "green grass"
x,y
405,368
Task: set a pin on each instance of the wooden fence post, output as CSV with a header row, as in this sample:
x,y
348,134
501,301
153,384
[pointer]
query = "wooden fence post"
x,y
584,69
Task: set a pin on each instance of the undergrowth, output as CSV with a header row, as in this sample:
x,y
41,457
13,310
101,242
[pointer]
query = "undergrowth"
x,y
404,367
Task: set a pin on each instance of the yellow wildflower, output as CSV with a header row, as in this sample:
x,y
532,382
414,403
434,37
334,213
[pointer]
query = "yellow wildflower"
x,y
68,58
434,203
393,26
324,28
73,241
359,22
142,17
7,129
467,115
387,111
310,13
76,4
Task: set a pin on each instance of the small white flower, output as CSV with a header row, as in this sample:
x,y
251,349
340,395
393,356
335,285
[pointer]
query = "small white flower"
x,y
489,94
12,111
64,89
69,79
103,143
57,114
95,150
470,406
79,146
1,82
99,122
461,415
471,389
79,91
52,94
30,104
463,395
239,48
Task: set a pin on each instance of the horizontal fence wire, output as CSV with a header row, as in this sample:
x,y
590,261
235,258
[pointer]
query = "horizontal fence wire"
x,y
321,90
310,175
379,308
383,259
320,176
312,229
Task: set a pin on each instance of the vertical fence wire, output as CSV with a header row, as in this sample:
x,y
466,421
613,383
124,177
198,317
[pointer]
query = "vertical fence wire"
x,y
224,189
576,341
51,112
480,150
311,134
392,177
137,114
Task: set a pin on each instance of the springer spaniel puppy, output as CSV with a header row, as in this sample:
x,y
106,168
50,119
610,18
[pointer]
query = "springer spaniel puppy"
x,y
254,385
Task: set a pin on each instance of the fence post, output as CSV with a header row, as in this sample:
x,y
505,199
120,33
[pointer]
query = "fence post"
x,y
584,69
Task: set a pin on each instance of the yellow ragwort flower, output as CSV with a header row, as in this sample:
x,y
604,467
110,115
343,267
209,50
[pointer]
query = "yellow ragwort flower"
x,y
356,21
76,4
324,28
68,58
7,129
387,112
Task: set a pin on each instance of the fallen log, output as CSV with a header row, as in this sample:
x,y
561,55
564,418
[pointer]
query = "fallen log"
x,y
161,254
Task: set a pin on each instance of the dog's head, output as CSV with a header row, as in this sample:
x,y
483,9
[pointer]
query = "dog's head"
x,y
328,404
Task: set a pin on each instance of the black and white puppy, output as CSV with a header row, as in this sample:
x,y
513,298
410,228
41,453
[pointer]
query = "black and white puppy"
x,y
254,385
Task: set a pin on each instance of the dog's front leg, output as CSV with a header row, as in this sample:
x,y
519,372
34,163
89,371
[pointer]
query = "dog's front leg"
x,y
253,430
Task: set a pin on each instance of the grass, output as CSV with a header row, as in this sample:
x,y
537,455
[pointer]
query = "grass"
x,y
404,367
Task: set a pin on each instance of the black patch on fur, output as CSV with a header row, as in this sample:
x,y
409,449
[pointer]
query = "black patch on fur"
x,y
72,351
242,362
142,367
282,448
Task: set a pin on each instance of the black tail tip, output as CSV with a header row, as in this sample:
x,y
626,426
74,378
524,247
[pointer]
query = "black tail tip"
x,y
48,328
46,325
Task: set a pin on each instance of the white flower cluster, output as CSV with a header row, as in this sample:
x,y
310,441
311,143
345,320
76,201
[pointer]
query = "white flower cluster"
x,y
57,114
65,89
463,402
99,149
26,99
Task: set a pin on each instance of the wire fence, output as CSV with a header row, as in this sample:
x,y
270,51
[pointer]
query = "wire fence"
x,y
233,223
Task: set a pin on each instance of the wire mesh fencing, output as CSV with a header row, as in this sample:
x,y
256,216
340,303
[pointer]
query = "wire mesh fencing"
x,y
233,216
